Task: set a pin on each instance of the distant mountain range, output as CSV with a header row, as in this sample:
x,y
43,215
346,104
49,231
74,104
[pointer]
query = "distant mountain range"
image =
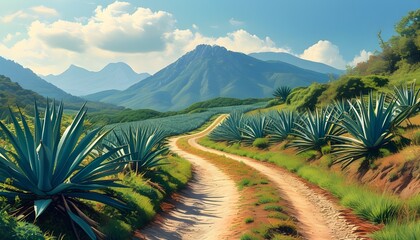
x,y
208,72
79,81
29,80
298,62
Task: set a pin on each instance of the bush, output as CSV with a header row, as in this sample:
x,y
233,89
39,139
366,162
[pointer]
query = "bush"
x,y
261,143
416,138
10,228
306,98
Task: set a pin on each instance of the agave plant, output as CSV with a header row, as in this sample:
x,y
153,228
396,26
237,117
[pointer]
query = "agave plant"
x,y
282,125
282,92
315,130
407,98
143,147
255,127
370,129
230,129
48,170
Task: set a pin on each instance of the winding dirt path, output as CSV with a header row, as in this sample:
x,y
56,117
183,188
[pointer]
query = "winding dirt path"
x,y
205,210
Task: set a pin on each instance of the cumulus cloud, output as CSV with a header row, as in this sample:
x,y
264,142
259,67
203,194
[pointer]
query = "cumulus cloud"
x,y
113,28
235,22
324,52
44,11
31,14
362,57
60,34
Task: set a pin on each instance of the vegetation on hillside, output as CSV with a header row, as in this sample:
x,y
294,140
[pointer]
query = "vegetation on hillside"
x,y
13,95
128,115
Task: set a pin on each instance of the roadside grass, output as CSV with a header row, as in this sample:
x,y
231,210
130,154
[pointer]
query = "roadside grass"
x,y
380,208
143,198
256,193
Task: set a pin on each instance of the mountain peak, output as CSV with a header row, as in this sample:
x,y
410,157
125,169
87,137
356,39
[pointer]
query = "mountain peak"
x,y
116,66
204,50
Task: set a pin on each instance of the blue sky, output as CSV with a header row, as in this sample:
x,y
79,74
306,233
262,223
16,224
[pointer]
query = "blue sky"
x,y
48,36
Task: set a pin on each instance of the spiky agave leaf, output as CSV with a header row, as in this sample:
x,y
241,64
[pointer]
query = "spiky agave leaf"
x,y
230,129
255,127
370,129
407,97
315,130
282,125
143,147
282,92
46,164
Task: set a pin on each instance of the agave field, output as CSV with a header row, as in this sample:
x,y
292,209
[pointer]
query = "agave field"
x,y
357,131
183,123
353,129
47,172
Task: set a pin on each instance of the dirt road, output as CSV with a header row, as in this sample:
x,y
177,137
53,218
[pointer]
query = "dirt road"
x,y
319,217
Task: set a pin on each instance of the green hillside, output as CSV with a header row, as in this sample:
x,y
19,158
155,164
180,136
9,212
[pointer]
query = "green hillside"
x,y
13,95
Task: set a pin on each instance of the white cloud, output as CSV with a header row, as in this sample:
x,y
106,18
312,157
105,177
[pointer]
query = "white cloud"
x,y
235,22
324,52
17,15
362,57
9,37
44,11
31,14
195,27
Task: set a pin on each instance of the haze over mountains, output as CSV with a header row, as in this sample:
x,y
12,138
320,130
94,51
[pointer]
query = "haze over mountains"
x,y
79,81
27,79
208,72
298,62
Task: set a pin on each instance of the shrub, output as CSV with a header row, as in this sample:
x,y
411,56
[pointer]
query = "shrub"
x,y
306,98
282,125
255,127
370,130
230,129
143,147
282,93
261,143
315,130
50,171
416,138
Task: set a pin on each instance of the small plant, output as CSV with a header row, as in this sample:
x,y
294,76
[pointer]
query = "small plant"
x,y
416,138
273,208
230,129
326,150
261,143
282,125
249,237
370,130
407,99
249,220
255,127
282,93
315,131
143,147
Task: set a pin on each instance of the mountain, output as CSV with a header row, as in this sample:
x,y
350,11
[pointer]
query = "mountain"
x,y
299,62
209,72
79,81
100,95
27,79
12,95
